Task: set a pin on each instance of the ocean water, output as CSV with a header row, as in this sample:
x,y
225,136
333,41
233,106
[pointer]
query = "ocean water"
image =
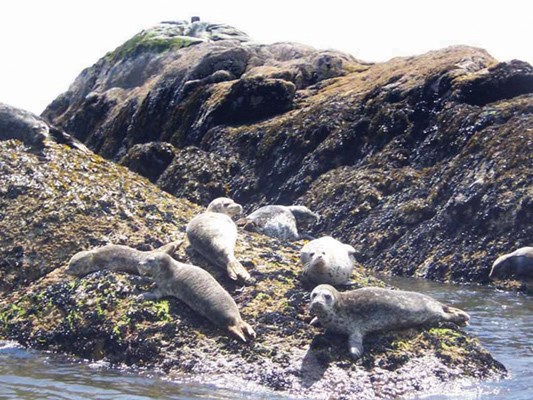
x,y
503,322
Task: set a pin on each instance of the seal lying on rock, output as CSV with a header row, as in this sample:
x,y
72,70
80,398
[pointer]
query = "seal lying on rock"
x,y
197,288
32,129
113,257
518,265
283,222
358,312
326,260
213,235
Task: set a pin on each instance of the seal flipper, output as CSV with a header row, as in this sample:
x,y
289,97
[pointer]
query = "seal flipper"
x,y
155,295
455,315
237,331
248,329
355,341
170,248
236,271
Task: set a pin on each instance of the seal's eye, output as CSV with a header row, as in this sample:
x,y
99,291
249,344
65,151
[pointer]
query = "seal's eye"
x,y
328,297
313,295
311,254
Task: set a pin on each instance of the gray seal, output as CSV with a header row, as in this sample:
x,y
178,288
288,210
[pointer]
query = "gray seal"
x,y
113,257
326,260
358,312
196,288
282,222
213,235
517,265
32,129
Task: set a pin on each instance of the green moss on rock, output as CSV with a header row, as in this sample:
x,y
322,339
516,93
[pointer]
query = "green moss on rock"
x,y
147,41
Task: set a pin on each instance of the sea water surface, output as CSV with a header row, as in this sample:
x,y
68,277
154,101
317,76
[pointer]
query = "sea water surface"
x,y
503,322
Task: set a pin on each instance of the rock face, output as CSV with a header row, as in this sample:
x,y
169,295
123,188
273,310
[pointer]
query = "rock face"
x,y
62,200
423,163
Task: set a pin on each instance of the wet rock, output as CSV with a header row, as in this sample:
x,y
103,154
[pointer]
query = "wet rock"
x,y
502,81
429,152
196,175
251,99
149,159
68,201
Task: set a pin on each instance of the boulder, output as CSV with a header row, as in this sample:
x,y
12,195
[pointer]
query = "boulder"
x,y
61,201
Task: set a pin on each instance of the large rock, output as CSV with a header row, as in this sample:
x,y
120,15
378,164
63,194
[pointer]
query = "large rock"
x,y
61,201
197,175
422,163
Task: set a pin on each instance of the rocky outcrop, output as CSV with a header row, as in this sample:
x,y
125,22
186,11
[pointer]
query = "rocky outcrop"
x,y
421,163
62,200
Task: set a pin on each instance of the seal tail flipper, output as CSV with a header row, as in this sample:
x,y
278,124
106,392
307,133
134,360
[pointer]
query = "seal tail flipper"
x,y
247,329
456,315
241,221
236,271
237,331
170,248
355,341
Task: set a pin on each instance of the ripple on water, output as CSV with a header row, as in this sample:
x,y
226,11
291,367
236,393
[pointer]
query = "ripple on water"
x,y
503,322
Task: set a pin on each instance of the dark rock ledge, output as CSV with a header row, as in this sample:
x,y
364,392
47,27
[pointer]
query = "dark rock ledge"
x,y
59,201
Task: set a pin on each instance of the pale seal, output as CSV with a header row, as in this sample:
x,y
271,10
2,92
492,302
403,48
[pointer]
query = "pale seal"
x,y
358,312
113,257
213,235
517,265
283,222
326,260
196,288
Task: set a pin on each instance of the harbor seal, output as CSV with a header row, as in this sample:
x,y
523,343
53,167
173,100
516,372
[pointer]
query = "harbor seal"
x,y
517,265
283,222
113,257
213,235
326,260
196,288
358,312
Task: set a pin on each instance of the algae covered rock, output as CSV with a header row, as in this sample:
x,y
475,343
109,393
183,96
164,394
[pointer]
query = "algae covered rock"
x,y
422,163
197,175
149,159
64,200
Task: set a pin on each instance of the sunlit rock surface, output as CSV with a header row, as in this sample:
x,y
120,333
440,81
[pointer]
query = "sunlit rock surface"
x,y
422,163
62,200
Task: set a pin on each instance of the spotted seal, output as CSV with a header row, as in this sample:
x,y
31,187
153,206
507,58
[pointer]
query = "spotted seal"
x,y
283,222
358,312
213,235
518,265
326,260
196,288
113,257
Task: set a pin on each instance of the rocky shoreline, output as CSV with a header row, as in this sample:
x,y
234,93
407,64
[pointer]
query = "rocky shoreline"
x,y
422,164
63,200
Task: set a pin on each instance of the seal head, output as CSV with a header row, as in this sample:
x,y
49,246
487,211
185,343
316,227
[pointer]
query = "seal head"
x,y
224,205
327,260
